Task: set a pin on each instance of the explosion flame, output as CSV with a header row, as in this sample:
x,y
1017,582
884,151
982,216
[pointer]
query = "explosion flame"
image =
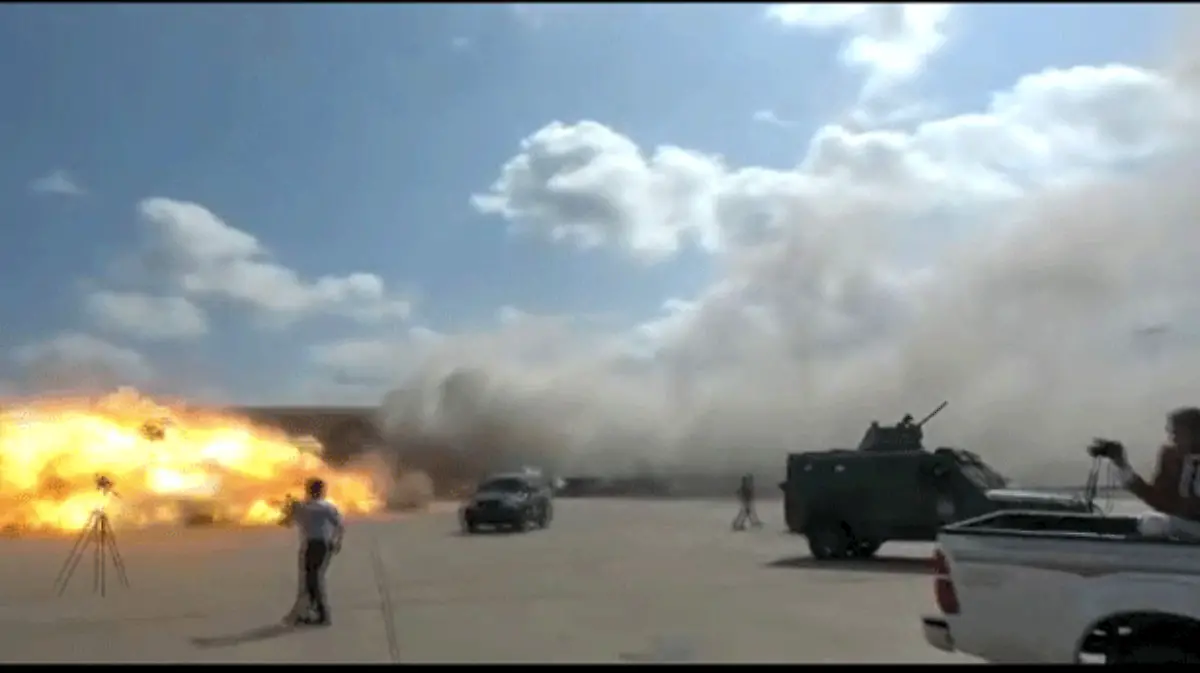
x,y
168,465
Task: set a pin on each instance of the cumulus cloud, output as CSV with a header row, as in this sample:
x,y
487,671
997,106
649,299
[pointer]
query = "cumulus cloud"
x,y
77,362
57,183
148,317
890,43
206,258
1071,196
587,185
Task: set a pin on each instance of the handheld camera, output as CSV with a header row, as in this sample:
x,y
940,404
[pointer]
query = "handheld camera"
x,y
1105,448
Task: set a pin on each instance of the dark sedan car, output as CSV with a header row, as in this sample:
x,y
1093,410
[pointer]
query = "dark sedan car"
x,y
516,501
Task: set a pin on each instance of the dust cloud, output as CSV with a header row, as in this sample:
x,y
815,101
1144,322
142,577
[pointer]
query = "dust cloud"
x,y
1071,315
403,488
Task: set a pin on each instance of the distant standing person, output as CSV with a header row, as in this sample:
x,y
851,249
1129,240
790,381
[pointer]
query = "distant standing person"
x,y
321,531
746,513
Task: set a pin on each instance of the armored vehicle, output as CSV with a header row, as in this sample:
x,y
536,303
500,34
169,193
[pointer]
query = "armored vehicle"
x,y
511,500
848,502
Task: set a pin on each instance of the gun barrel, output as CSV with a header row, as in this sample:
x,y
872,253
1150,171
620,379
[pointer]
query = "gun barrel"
x,y
933,413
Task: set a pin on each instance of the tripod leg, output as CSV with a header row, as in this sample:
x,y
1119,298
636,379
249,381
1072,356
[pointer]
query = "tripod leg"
x,y
97,556
79,540
77,552
104,542
114,553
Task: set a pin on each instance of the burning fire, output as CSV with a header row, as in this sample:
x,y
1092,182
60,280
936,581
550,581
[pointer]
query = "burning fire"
x,y
166,465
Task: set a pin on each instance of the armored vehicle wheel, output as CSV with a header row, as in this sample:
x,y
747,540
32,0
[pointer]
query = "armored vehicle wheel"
x,y
828,541
865,548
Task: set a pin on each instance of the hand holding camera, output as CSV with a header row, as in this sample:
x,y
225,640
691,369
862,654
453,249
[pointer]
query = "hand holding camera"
x,y
1107,448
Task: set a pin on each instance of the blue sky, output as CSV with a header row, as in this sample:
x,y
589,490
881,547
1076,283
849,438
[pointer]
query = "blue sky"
x,y
351,138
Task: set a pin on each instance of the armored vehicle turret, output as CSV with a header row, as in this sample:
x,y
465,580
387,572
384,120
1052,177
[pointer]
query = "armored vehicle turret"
x,y
904,436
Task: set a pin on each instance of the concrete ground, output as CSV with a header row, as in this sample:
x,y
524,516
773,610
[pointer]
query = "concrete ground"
x,y
610,581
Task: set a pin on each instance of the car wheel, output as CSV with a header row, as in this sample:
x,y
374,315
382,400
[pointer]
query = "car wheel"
x,y
547,514
469,527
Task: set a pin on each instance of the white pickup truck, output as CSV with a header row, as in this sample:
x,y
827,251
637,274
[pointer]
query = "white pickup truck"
x,y
1035,587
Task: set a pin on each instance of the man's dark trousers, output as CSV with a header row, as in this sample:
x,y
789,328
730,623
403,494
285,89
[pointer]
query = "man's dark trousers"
x,y
746,514
315,559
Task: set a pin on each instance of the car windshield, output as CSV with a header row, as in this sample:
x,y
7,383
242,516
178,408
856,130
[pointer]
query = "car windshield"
x,y
503,485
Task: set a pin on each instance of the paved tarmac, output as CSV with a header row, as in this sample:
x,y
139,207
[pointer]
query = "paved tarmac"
x,y
610,581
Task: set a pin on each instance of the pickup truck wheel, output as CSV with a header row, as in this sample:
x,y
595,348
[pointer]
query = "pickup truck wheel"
x,y
1157,654
828,541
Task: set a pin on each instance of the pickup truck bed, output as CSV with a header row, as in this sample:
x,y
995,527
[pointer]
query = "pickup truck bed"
x,y
1037,587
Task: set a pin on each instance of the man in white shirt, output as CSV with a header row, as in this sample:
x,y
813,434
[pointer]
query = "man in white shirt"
x,y
321,531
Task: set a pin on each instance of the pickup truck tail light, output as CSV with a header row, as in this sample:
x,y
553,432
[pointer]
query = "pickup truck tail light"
x,y
943,587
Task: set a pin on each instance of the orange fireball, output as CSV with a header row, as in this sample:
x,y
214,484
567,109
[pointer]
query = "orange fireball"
x,y
167,465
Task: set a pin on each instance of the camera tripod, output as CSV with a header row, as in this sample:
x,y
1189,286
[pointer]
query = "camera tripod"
x,y
98,535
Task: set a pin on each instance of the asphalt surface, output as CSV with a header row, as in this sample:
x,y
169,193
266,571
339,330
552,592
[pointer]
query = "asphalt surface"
x,y
610,581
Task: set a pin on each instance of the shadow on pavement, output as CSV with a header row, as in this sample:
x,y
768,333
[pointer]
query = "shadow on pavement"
x,y
896,565
485,530
255,634
494,531
663,651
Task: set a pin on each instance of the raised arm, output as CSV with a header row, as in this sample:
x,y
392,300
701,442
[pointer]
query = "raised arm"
x,y
1169,491
289,512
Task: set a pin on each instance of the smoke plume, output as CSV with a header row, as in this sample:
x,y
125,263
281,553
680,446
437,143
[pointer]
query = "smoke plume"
x,y
1064,309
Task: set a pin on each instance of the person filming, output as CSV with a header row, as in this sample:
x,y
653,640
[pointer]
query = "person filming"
x,y
321,530
1174,490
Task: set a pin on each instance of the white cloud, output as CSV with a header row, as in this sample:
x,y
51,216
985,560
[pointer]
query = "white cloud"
x,y
207,258
586,184
1072,189
78,362
890,42
460,43
57,183
144,316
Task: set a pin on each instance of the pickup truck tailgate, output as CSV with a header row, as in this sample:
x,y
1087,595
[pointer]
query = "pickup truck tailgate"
x,y
1029,586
